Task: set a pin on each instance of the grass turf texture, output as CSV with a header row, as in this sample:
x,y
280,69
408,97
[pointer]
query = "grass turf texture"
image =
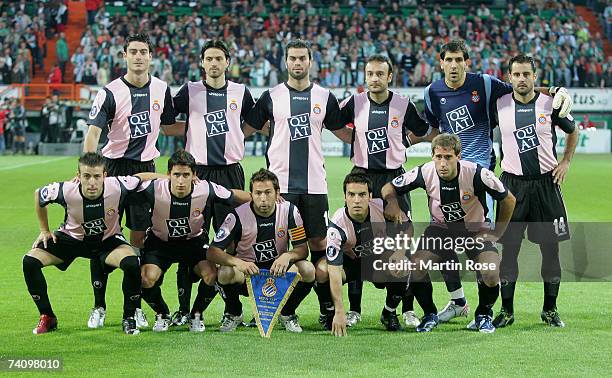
x,y
526,348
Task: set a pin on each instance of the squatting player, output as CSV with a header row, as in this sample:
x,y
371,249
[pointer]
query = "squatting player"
x,y
460,104
297,111
456,195
382,120
91,229
176,235
132,108
256,236
350,237
531,171
215,108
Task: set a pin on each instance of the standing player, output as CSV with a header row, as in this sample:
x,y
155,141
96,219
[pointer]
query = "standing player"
x,y
132,107
382,120
215,110
350,237
176,235
456,196
91,229
531,171
297,111
256,236
460,104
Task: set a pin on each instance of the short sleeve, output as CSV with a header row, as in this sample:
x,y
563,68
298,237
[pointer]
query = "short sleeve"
x,y
491,184
261,112
347,110
333,118
409,181
168,116
247,103
52,193
335,240
414,122
181,100
428,110
297,233
498,87
103,109
130,183
229,231
220,193
567,124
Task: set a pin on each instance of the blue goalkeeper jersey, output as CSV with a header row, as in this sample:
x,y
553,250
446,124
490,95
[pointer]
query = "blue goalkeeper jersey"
x,y
466,112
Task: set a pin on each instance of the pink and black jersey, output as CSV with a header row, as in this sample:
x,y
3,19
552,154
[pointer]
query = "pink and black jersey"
x,y
459,203
528,134
294,150
90,220
175,218
380,136
133,116
258,239
346,236
214,121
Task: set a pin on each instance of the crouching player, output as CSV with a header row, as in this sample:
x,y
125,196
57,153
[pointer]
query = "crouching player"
x,y
256,236
350,237
456,192
176,236
91,230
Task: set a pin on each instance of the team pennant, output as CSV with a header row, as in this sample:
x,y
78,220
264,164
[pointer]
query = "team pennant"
x,y
268,296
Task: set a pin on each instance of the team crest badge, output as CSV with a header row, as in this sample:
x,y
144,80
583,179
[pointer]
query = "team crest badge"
x,y
156,106
280,233
443,100
466,196
475,97
394,123
316,109
542,119
110,212
399,180
269,289
233,105
196,213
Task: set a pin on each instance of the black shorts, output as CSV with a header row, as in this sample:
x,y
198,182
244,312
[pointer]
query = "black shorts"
x,y
352,271
163,254
447,244
539,209
229,176
68,249
380,177
313,209
138,216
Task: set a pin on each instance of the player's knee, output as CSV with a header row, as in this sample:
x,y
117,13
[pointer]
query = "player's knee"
x,y
490,277
321,272
209,277
149,278
225,275
307,271
316,243
31,264
130,265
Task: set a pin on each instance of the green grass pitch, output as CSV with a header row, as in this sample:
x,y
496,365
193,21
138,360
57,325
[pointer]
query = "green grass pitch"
x,y
526,348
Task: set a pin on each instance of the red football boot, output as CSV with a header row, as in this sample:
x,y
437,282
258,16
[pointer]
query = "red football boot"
x,y
46,324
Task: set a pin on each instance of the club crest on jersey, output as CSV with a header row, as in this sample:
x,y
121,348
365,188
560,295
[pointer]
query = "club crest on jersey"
x,y
526,138
475,97
316,109
156,105
399,180
542,119
265,250
196,213
377,140
460,119
466,196
110,212
280,233
299,126
140,125
443,100
269,288
93,112
394,123
332,253
452,212
94,227
233,105
178,227
216,123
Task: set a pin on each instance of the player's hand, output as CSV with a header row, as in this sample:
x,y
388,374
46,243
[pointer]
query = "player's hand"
x,y
248,268
393,212
196,180
562,100
397,258
560,171
280,200
339,324
489,236
75,179
44,237
280,265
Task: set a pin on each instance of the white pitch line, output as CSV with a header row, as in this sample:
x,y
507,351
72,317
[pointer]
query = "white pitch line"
x,y
34,163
